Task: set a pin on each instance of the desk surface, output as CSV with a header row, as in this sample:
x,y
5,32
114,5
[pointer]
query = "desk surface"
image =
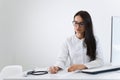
x,y
69,75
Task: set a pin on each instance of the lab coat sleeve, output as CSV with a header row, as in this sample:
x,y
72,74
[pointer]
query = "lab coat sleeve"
x,y
99,58
63,56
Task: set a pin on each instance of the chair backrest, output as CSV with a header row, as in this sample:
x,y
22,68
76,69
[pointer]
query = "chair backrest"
x,y
11,70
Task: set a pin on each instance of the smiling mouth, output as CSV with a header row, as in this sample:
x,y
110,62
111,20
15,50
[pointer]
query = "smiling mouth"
x,y
78,30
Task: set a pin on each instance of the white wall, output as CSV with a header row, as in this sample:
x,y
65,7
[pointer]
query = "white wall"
x,y
33,30
6,19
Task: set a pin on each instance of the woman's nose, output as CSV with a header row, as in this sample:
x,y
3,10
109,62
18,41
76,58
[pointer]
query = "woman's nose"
x,y
77,26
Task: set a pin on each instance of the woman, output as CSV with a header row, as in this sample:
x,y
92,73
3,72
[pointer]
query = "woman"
x,y
82,49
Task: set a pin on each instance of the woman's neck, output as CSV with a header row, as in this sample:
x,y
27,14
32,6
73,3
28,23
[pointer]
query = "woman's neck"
x,y
79,35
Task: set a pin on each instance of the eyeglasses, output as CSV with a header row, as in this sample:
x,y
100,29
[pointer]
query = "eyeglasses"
x,y
80,24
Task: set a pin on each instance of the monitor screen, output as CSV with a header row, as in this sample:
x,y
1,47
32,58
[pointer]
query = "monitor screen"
x,y
115,40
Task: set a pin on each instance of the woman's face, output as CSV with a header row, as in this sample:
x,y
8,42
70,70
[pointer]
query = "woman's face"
x,y
79,25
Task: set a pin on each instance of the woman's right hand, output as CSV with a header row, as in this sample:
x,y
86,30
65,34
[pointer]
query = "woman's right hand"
x,y
54,69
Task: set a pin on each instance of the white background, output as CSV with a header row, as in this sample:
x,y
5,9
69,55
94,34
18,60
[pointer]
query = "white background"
x,y
31,31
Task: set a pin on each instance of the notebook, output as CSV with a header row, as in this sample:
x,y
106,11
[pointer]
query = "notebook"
x,y
106,68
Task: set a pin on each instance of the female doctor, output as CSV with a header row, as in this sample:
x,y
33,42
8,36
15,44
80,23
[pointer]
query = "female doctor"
x,y
82,48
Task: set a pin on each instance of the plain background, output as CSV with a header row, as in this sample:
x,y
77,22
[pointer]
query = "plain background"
x,y
32,31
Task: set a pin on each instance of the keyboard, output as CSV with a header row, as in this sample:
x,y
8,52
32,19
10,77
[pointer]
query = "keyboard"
x,y
101,69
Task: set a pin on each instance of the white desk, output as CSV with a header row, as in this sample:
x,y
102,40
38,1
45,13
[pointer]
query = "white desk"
x,y
63,75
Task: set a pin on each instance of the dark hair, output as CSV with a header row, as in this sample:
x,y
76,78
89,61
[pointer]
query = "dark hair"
x,y
89,40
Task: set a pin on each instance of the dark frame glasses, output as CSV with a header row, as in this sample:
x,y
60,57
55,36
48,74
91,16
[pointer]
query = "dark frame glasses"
x,y
80,24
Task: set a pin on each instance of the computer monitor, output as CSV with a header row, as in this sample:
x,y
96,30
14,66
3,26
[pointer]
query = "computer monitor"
x,y
115,40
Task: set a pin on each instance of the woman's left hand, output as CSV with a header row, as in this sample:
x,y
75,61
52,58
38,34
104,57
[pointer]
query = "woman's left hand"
x,y
76,67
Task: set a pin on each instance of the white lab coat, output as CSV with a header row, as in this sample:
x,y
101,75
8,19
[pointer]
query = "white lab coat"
x,y
74,51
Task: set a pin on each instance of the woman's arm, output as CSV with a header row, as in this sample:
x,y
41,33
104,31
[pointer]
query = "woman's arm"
x,y
76,67
63,56
61,59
